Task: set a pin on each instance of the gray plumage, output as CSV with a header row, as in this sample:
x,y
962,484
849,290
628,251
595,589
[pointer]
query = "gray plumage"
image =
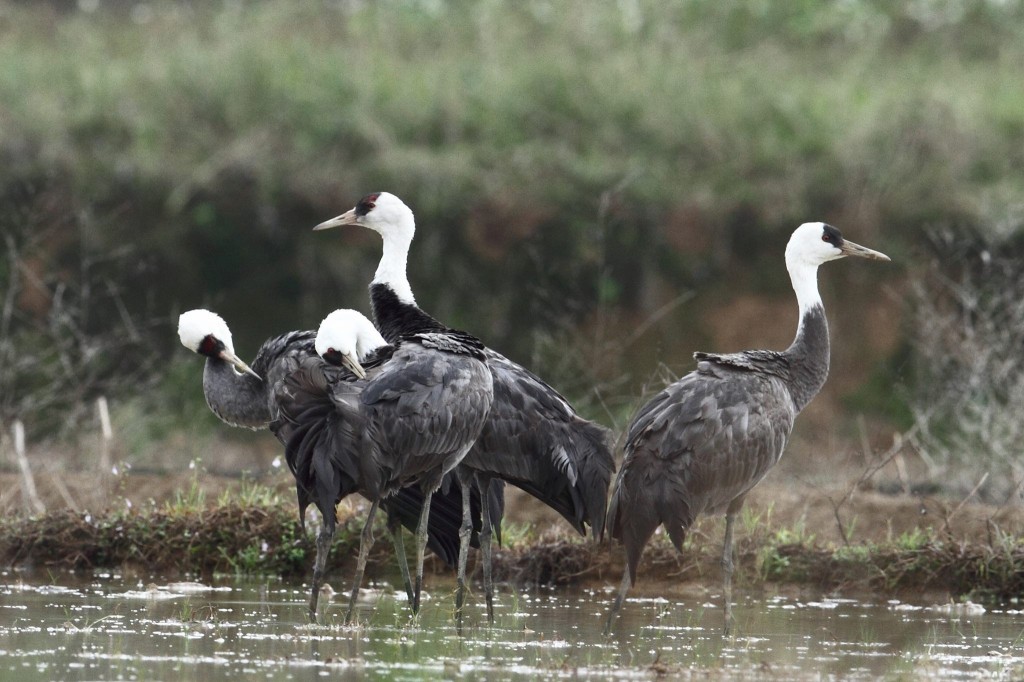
x,y
536,441
237,399
410,421
700,445
245,400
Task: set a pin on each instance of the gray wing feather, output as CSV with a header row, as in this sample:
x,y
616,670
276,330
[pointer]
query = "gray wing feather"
x,y
280,356
536,441
697,446
322,437
425,406
764,361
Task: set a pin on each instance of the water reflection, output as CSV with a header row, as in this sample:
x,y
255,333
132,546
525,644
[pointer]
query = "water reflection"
x,y
110,627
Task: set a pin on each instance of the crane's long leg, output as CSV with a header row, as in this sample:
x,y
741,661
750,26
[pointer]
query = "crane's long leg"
x,y
727,565
323,548
421,549
465,532
485,546
619,598
365,543
395,528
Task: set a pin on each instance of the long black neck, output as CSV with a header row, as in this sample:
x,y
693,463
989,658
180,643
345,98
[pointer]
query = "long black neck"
x,y
395,318
236,399
808,356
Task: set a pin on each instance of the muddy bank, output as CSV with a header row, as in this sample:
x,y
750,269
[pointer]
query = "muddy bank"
x,y
255,530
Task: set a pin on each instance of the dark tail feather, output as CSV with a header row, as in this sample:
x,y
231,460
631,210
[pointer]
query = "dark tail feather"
x,y
595,466
676,517
636,532
633,516
565,500
584,502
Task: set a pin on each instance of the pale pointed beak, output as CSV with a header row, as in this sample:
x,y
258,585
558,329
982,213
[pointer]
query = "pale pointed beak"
x,y
228,356
352,363
850,249
347,218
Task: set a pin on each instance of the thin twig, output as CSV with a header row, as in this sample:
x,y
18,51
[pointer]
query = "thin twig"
x,y
901,473
62,489
655,317
869,472
956,510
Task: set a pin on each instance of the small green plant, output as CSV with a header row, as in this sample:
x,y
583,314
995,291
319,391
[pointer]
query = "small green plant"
x,y
517,534
850,527
191,498
249,561
853,553
250,493
795,535
772,564
915,539
291,551
752,521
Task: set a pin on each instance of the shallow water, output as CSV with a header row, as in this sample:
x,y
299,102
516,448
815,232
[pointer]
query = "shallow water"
x,y
109,627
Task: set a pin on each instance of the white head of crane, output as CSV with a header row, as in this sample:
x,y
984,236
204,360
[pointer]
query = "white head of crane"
x,y
206,333
388,216
346,338
811,245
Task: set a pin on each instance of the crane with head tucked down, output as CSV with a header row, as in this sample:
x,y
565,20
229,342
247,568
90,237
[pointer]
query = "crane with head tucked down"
x,y
239,396
701,444
534,439
410,419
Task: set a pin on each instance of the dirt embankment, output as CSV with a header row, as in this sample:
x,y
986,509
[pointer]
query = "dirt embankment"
x,y
790,533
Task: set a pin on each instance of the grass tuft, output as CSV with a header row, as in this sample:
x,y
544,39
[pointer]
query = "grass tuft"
x,y
239,535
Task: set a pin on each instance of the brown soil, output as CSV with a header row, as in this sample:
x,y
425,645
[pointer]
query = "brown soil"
x,y
821,512
803,522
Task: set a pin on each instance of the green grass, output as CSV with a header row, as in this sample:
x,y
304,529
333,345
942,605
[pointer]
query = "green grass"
x,y
186,536
580,164
256,533
522,114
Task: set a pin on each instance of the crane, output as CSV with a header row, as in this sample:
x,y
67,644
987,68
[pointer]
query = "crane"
x,y
238,396
701,444
534,439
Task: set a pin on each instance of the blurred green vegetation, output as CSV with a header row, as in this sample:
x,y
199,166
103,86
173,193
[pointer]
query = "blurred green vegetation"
x,y
574,167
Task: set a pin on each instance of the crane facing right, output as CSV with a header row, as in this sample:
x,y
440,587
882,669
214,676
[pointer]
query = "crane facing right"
x,y
702,443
